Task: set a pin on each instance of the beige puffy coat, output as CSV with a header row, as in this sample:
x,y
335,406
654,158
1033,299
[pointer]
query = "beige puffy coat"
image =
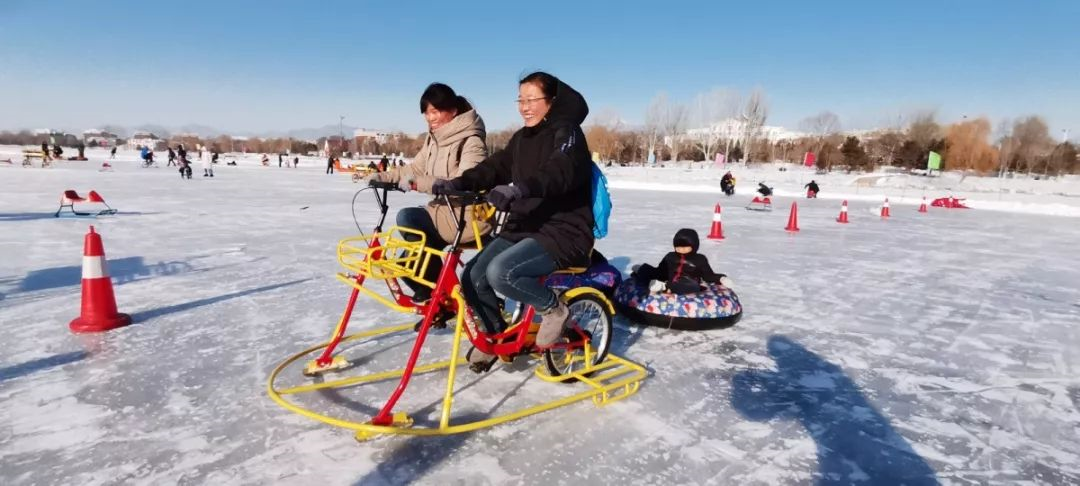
x,y
439,159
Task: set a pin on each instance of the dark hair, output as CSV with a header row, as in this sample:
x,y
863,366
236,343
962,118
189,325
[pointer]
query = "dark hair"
x,y
443,98
548,83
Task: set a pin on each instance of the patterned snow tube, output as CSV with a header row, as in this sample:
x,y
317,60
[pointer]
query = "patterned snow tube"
x,y
602,277
716,307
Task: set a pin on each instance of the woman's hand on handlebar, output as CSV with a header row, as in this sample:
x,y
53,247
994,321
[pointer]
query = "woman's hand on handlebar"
x,y
453,189
502,197
379,184
443,187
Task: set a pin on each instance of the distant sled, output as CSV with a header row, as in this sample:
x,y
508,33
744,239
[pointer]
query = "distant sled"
x,y
760,204
70,197
949,202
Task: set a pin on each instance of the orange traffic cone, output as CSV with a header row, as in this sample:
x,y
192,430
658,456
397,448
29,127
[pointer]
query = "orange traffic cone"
x,y
717,231
793,218
885,209
843,213
922,207
98,302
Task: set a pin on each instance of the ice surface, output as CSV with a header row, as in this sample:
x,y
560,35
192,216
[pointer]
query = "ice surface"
x,y
935,347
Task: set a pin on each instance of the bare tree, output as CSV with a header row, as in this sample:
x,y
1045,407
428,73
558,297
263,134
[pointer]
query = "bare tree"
x,y
674,125
753,117
654,121
883,146
821,126
924,129
707,111
1033,141
499,139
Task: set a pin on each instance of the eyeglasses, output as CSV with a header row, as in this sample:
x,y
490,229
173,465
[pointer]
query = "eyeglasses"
x,y
529,101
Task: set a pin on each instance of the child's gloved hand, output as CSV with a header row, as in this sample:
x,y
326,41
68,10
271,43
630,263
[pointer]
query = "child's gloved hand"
x,y
406,185
727,282
656,286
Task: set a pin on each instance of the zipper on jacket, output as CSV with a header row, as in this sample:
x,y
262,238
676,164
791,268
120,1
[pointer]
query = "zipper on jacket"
x,y
678,270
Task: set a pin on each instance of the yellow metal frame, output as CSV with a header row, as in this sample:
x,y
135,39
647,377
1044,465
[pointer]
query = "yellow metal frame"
x,y
612,380
397,257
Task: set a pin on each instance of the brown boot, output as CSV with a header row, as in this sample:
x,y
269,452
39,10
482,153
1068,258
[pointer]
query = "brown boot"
x,y
552,323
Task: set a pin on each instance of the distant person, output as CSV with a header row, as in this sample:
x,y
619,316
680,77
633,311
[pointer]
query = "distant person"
x,y
727,183
185,168
384,164
44,151
172,158
295,162
265,160
812,189
330,164
208,167
57,151
181,152
372,167
112,153
280,159
764,190
213,157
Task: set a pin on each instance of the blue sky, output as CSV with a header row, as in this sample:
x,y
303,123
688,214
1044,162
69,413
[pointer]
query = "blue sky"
x,y
250,66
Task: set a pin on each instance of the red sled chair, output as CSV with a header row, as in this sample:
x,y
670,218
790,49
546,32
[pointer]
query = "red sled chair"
x,y
760,204
70,197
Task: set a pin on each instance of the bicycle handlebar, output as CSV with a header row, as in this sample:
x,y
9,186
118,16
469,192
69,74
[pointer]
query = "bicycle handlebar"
x,y
463,197
391,186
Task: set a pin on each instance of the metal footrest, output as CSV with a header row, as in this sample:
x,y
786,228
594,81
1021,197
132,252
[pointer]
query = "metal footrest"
x,y
614,379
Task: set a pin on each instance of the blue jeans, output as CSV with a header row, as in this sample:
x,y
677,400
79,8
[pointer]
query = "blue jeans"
x,y
419,219
513,270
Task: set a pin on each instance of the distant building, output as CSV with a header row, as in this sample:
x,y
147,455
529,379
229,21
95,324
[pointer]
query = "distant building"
x,y
99,138
334,144
363,134
56,137
146,139
736,129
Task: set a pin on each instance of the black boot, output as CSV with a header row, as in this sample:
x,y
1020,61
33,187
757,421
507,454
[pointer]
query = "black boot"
x,y
439,322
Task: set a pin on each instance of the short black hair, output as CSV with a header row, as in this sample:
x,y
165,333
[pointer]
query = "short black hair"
x,y
548,84
443,98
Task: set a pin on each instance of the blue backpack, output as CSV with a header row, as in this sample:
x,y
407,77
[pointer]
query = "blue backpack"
x,y
601,202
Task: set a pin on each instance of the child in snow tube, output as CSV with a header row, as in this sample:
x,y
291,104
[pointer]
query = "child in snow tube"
x,y
683,292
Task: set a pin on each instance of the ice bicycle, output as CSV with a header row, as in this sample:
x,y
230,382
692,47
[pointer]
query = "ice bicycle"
x,y
581,357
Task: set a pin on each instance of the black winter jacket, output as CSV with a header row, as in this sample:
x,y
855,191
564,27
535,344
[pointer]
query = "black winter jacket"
x,y
552,165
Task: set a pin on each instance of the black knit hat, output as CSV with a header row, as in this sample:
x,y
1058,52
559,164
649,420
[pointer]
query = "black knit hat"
x,y
686,237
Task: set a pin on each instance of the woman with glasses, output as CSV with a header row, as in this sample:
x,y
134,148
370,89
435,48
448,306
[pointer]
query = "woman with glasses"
x,y
454,144
542,179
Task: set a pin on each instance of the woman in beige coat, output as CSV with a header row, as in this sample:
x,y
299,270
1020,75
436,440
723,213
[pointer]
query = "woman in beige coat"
x,y
455,143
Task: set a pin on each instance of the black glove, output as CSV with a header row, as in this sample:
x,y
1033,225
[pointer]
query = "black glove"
x,y
502,197
441,186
